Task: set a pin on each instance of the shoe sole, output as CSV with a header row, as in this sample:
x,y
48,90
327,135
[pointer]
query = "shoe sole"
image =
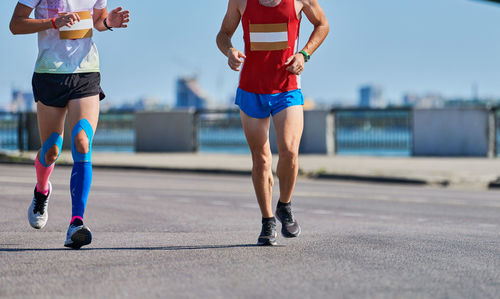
x,y
266,243
286,234
80,238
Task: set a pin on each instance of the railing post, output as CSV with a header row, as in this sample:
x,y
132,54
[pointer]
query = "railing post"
x,y
412,131
196,129
333,124
20,130
492,132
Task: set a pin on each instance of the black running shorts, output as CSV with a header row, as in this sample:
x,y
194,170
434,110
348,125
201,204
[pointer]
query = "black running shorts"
x,y
57,90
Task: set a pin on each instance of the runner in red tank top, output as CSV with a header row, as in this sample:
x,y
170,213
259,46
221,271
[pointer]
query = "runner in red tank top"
x,y
270,86
271,36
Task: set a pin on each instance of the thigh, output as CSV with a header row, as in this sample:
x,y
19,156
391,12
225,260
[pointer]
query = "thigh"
x,y
256,131
50,120
85,108
289,125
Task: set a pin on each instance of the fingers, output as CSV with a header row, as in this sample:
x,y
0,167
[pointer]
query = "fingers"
x,y
295,64
241,55
117,10
67,20
295,68
235,59
289,60
235,64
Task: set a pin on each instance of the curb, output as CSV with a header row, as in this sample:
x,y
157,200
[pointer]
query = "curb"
x,y
146,168
323,176
374,179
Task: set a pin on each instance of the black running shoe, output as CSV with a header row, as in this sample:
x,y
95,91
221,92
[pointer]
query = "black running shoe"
x,y
290,228
268,234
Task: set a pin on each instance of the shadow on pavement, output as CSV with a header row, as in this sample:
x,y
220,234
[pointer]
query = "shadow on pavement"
x,y
160,248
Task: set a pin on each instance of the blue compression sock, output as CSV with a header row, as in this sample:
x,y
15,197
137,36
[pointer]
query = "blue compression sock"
x,y
81,179
81,175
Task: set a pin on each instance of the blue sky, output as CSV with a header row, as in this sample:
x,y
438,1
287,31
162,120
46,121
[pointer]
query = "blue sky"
x,y
402,45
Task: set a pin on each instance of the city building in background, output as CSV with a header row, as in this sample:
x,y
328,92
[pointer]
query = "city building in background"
x,y
429,100
371,96
190,94
22,101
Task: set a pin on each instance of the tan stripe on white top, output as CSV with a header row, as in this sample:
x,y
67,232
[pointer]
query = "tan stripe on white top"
x,y
268,37
82,29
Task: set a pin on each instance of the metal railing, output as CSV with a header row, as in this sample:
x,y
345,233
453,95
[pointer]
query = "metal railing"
x,y
496,114
357,131
220,131
373,131
115,133
12,134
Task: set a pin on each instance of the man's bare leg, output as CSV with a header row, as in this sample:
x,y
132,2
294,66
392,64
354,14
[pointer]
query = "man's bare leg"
x,y
257,134
289,125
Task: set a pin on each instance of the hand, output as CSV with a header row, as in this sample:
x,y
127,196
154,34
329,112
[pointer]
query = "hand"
x,y
118,18
295,64
235,59
67,19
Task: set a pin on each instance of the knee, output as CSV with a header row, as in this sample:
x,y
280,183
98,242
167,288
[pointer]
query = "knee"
x,y
50,150
289,156
81,142
262,161
51,155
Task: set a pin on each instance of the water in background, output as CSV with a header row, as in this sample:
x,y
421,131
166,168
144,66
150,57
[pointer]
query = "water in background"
x,y
356,134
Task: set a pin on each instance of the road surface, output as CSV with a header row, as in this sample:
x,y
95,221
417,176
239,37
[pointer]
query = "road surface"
x,y
174,235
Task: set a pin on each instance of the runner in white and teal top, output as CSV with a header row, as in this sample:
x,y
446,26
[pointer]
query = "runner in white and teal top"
x,y
66,82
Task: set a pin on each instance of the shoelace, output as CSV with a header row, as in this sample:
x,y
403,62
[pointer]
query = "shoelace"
x,y
287,215
40,201
267,228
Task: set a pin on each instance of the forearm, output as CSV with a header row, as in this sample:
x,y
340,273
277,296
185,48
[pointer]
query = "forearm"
x,y
318,35
99,26
99,23
224,42
28,26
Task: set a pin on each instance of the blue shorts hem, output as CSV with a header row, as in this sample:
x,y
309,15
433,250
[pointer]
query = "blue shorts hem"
x,y
265,105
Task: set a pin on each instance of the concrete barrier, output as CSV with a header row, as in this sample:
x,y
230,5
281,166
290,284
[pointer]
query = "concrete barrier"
x,y
173,131
31,126
318,136
452,132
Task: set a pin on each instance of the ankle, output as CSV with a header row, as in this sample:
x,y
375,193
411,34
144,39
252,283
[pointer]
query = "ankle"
x,y
44,192
268,219
77,220
284,204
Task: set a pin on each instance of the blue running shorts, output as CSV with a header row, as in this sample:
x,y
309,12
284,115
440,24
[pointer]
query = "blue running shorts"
x,y
263,105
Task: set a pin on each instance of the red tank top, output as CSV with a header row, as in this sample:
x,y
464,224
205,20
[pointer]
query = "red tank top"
x,y
271,36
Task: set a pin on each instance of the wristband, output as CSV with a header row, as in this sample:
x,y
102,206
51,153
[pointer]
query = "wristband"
x,y
307,57
106,24
54,23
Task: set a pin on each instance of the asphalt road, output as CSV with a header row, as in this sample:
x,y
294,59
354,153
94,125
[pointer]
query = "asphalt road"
x,y
191,236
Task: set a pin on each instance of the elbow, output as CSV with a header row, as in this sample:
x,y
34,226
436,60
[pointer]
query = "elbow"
x,y
326,27
13,29
218,37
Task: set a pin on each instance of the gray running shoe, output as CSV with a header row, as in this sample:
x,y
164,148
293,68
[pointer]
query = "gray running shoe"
x,y
38,210
290,228
78,235
268,234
